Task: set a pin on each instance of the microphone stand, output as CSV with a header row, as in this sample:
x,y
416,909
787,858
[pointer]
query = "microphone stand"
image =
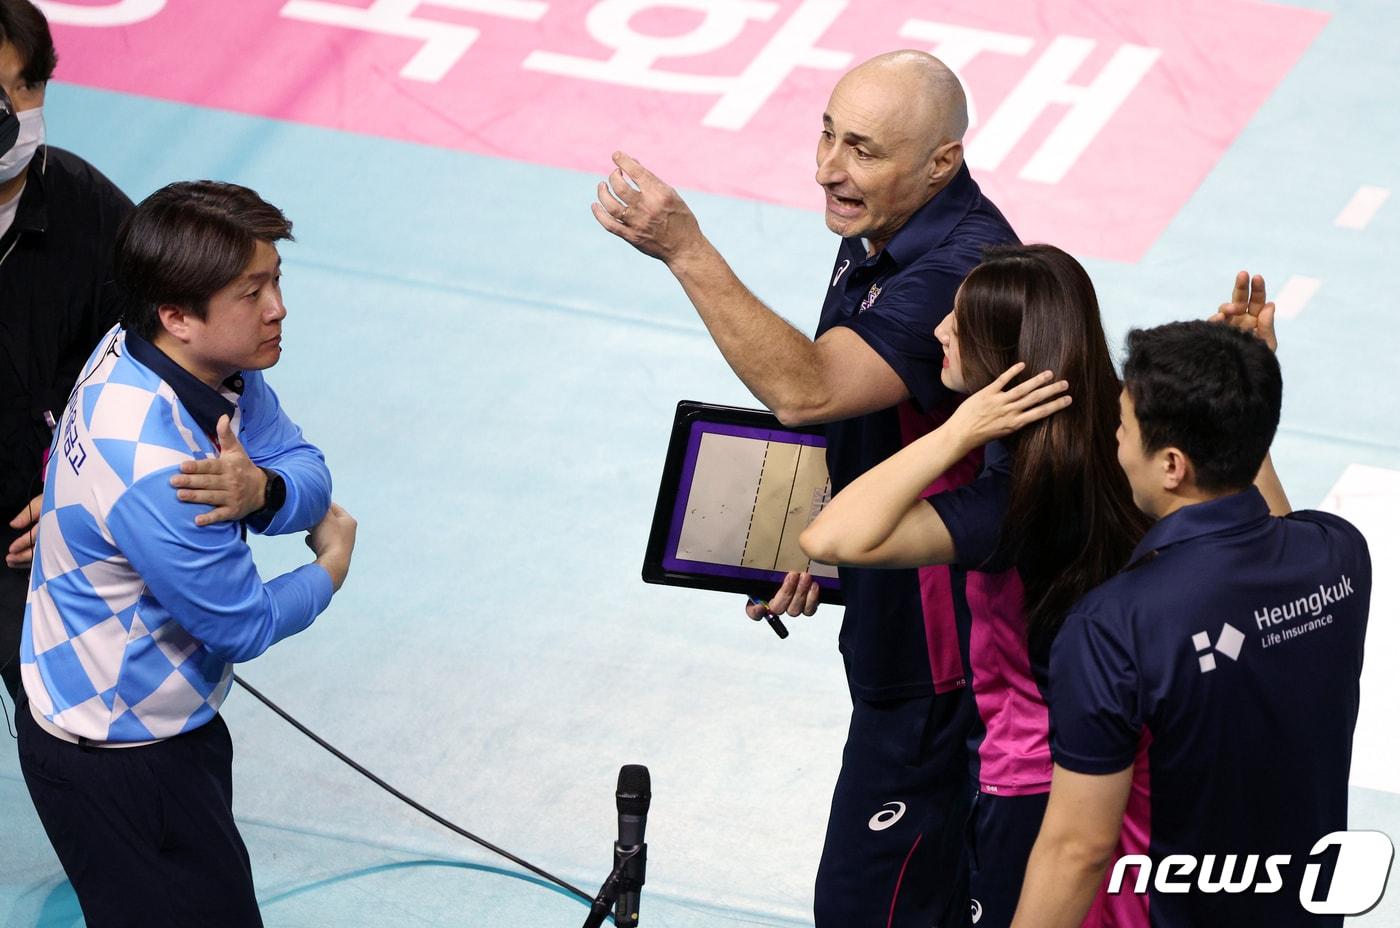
x,y
628,874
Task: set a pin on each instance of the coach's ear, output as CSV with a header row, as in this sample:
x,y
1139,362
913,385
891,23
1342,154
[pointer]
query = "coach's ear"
x,y
945,161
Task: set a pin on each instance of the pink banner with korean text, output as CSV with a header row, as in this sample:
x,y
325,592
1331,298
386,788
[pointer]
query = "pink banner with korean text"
x,y
1093,121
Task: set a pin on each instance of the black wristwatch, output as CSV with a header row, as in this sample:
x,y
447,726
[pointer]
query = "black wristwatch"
x,y
274,494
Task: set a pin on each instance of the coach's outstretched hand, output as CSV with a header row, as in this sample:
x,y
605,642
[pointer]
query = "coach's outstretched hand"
x,y
1248,311
639,208
333,540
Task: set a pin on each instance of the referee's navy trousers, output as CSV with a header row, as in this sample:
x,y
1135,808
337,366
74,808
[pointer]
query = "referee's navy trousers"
x,y
145,834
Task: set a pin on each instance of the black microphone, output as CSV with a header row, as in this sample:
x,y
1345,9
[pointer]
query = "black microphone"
x,y
630,852
629,872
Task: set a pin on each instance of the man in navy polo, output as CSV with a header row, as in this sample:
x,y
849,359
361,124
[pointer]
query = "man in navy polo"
x,y
1204,698
912,223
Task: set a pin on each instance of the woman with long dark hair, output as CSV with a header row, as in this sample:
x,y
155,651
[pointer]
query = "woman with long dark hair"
x,y
1052,514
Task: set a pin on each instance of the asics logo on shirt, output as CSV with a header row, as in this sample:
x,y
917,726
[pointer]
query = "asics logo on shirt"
x,y
840,270
887,816
1228,643
976,911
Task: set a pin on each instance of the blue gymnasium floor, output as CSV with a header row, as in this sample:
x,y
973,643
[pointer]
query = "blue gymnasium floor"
x,y
492,378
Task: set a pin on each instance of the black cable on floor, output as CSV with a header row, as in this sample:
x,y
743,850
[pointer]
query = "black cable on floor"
x,y
586,897
8,727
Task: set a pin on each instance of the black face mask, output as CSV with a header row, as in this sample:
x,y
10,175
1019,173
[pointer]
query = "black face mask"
x,y
9,122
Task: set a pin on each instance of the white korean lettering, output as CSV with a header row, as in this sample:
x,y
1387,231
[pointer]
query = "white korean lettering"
x,y
635,54
794,46
957,46
1046,83
120,13
444,43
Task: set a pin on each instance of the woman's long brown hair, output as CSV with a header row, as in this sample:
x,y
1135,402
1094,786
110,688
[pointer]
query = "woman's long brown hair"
x,y
1070,522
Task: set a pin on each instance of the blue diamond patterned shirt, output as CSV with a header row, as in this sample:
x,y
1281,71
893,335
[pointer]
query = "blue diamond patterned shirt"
x,y
136,614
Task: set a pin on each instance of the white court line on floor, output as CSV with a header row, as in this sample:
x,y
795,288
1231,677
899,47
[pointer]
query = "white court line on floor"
x,y
1363,205
1296,293
1369,497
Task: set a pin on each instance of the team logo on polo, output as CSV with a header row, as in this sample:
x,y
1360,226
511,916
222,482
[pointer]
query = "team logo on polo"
x,y
1228,643
976,911
887,816
870,297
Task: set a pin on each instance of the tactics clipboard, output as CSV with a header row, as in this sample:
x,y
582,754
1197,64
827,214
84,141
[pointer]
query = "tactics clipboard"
x,y
737,489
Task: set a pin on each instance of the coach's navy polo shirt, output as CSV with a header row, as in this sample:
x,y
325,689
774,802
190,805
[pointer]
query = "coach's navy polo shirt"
x,y
1223,664
898,637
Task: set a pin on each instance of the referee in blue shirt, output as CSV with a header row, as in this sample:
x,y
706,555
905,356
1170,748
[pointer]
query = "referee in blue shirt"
x,y
1202,702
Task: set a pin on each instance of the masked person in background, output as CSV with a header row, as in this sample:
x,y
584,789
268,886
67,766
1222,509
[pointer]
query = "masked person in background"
x,y
58,223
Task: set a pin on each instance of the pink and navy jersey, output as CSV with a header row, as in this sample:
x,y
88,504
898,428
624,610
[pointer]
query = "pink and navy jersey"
x,y
1008,747
899,637
1223,665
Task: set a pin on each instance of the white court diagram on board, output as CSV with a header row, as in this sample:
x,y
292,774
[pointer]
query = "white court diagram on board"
x,y
749,501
